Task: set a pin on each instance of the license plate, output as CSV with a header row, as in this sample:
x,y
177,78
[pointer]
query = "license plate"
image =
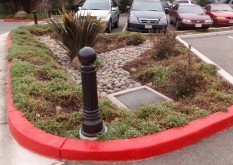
x,y
198,25
148,26
230,21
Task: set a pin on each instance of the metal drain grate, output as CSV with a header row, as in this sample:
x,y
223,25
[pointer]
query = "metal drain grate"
x,y
133,98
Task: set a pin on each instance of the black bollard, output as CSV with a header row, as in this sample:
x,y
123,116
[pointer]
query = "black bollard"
x,y
35,17
92,123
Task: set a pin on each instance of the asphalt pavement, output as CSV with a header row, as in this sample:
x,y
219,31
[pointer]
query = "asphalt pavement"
x,y
218,48
8,26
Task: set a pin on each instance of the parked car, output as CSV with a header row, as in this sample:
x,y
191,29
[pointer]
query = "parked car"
x,y
221,14
189,16
146,15
181,1
229,2
166,5
212,2
106,10
76,7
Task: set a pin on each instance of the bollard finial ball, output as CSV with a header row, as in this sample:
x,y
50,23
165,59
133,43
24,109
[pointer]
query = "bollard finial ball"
x,y
86,56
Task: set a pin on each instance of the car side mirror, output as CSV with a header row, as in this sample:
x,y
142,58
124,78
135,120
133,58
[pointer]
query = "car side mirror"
x,y
114,9
127,9
79,8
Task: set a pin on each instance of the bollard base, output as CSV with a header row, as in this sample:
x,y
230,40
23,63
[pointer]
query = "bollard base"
x,y
83,137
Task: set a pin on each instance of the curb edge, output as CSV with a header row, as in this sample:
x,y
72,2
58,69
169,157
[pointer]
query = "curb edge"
x,y
128,149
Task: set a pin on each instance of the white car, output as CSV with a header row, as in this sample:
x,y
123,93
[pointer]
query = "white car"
x,y
181,1
106,10
229,2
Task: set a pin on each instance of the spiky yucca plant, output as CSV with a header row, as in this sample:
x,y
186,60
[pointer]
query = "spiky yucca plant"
x,y
76,31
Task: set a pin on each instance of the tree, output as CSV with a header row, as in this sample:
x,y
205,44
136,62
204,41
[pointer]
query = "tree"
x,y
23,5
124,3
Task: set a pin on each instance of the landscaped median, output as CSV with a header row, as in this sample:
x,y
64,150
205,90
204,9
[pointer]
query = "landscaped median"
x,y
36,140
49,145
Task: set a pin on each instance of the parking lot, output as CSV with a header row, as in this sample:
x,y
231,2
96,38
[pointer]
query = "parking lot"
x,y
216,47
123,21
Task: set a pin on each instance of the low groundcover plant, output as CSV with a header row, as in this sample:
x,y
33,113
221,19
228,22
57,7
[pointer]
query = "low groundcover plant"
x,y
52,101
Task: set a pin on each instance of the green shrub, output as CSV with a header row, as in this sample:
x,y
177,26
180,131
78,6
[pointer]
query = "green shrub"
x,y
147,74
134,40
186,79
209,69
159,75
165,45
75,32
179,50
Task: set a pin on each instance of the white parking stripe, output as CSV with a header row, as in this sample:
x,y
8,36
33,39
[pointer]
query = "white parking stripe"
x,y
124,29
230,37
221,71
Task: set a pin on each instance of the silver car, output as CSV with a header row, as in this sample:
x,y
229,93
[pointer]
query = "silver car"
x,y
106,10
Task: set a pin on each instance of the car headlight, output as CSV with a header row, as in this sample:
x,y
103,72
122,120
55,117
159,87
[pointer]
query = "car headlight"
x,y
208,21
186,20
133,18
163,20
103,18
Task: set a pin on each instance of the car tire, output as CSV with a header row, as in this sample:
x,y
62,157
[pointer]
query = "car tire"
x,y
109,28
116,24
170,21
177,25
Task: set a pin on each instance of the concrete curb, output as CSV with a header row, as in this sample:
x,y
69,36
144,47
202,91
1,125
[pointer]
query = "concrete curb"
x,y
23,20
116,150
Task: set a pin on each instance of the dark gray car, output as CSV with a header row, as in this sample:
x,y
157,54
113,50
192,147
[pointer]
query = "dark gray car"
x,y
146,15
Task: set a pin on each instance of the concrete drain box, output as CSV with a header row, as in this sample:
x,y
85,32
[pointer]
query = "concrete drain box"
x,y
133,98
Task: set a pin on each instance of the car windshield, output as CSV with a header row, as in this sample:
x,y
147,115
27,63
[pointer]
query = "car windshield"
x,y
165,4
147,6
221,8
182,1
212,1
191,9
95,5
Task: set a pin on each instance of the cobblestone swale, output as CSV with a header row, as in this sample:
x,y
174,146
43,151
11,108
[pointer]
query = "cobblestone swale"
x,y
111,77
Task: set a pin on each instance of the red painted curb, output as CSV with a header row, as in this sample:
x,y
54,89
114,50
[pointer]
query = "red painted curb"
x,y
129,149
148,146
22,20
34,139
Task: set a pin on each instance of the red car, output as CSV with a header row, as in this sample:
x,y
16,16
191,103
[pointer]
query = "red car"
x,y
221,14
189,16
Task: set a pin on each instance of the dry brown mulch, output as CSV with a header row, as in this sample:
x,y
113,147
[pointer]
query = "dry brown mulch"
x,y
210,103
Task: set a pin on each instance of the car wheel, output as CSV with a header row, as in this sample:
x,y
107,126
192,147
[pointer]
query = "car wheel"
x,y
177,25
109,28
170,20
116,24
